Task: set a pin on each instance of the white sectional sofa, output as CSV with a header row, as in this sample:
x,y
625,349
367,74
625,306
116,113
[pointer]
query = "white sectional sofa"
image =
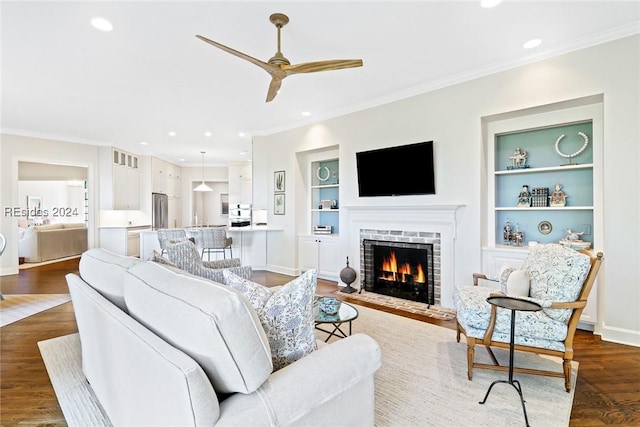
x,y
161,347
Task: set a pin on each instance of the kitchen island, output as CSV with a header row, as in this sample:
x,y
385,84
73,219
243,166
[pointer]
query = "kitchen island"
x,y
249,243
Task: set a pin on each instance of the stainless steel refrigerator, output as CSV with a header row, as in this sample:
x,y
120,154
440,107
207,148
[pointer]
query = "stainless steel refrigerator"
x,y
160,218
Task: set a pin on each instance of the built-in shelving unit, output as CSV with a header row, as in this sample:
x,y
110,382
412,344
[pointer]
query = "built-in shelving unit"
x,y
325,194
537,131
544,169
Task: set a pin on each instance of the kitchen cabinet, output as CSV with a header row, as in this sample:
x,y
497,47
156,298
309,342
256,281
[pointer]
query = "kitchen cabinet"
x,y
166,178
122,240
126,188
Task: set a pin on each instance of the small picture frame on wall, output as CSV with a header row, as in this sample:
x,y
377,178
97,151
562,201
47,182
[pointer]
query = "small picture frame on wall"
x,y
278,204
34,202
278,182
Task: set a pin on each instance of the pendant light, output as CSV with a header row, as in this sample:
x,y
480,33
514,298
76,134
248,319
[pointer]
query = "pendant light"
x,y
203,186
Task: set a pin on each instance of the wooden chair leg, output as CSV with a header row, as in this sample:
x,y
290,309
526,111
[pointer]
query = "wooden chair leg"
x,y
566,366
470,356
492,356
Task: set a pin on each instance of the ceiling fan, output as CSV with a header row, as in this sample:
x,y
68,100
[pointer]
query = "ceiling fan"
x,y
279,67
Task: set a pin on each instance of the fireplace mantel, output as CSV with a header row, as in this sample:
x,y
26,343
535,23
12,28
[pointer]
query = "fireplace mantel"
x,y
419,218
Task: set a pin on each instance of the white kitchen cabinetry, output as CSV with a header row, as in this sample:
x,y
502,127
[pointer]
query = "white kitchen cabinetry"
x,y
122,240
240,184
126,188
320,253
166,178
174,211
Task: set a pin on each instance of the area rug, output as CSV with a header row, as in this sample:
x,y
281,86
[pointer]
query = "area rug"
x,y
434,311
17,307
422,381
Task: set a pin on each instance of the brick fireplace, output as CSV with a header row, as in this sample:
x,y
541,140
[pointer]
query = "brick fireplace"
x,y
402,264
426,225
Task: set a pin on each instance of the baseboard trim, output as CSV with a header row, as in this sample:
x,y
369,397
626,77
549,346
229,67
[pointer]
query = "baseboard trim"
x,y
621,336
283,270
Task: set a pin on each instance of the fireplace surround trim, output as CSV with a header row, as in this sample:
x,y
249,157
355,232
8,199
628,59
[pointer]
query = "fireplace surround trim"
x,y
419,218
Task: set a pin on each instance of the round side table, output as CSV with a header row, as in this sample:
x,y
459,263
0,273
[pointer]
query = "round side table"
x,y
513,304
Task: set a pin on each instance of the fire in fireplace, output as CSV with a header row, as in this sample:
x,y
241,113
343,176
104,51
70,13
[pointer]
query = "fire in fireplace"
x,y
399,269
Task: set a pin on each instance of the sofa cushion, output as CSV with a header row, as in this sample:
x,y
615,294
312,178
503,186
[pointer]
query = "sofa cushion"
x,y
210,322
104,271
557,274
48,227
73,225
286,314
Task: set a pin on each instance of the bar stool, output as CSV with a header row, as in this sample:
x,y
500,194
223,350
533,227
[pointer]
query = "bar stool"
x,y
214,240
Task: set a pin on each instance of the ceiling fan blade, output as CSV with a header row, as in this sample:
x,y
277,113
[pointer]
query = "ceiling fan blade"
x,y
312,67
274,86
264,65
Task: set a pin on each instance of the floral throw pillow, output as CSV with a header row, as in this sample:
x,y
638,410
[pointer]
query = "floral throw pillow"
x,y
286,314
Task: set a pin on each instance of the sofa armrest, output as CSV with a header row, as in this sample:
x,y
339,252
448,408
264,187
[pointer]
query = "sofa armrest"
x,y
319,387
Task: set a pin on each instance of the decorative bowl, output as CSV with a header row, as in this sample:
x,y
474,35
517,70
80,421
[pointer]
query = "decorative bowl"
x,y
329,305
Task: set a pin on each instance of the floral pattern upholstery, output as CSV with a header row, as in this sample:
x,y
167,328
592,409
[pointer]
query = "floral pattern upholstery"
x,y
557,274
184,254
286,314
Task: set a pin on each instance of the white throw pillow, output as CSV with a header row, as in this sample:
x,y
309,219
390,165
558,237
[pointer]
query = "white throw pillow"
x,y
286,314
514,282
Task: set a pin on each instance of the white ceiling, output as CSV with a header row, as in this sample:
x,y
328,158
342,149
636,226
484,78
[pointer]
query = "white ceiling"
x,y
63,79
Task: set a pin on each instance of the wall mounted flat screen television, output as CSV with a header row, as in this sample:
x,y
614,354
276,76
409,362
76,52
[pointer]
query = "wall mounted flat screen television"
x,y
396,171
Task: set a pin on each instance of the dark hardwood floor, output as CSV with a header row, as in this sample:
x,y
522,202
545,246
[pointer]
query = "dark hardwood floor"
x,y
607,391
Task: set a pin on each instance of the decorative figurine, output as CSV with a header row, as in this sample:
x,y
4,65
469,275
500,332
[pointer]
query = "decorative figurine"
x,y
518,160
518,236
558,198
524,199
506,232
511,237
348,276
585,138
572,240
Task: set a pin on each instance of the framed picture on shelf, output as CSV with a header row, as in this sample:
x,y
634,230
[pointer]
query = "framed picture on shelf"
x,y
278,204
278,182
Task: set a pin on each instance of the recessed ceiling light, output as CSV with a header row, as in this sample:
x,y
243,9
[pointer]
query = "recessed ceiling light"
x,y
182,160
241,134
306,113
101,24
244,153
144,143
532,43
172,133
490,3
207,134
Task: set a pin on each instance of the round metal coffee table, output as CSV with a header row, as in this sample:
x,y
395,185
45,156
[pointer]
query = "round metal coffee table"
x,y
346,314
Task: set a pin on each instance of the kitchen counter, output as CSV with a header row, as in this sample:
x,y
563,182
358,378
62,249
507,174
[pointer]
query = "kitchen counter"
x,y
249,243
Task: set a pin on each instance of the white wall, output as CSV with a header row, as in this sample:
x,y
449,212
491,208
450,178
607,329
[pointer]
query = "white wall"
x,y
19,148
452,118
62,200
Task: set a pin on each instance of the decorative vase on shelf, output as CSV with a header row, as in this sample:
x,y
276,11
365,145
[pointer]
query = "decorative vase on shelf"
x,y
348,276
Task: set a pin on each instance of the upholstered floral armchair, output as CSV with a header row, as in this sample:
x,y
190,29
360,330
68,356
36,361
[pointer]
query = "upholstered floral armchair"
x,y
556,277
184,255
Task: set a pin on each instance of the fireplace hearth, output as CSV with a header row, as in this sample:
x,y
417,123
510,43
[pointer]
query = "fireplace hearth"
x,y
399,269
